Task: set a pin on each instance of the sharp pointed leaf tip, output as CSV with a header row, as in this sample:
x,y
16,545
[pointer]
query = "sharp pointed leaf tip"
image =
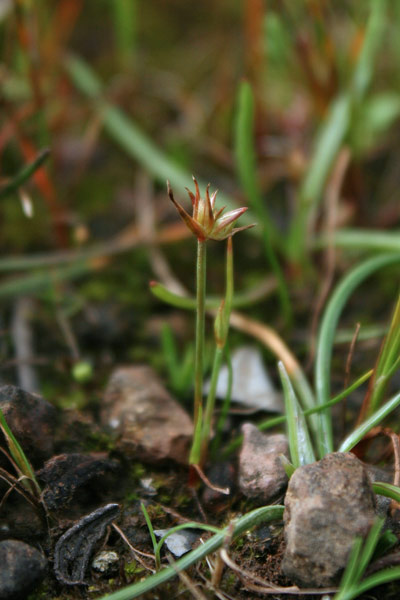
x,y
213,197
191,196
237,229
230,217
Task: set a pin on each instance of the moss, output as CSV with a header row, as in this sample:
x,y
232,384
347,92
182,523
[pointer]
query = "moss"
x,y
132,569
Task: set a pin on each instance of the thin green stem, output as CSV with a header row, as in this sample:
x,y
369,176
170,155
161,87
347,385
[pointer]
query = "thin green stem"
x,y
210,404
199,350
221,328
225,407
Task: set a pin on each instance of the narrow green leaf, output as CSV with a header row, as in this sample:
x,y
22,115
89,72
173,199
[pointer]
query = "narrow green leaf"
x,y
376,419
301,450
326,337
387,489
247,170
25,174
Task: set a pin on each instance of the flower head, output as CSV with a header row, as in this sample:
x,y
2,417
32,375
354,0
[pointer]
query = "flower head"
x,y
207,223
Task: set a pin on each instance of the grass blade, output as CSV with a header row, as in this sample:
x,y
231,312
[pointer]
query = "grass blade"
x,y
327,334
25,174
357,435
246,166
364,239
387,489
301,450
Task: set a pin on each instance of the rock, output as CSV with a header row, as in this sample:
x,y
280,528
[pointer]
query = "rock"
x,y
106,562
22,569
151,426
328,504
180,542
251,384
261,474
66,474
31,419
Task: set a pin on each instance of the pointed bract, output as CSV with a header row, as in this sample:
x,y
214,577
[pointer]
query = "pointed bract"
x,y
207,222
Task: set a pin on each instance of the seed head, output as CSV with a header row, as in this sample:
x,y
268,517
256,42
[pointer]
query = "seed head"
x,y
207,223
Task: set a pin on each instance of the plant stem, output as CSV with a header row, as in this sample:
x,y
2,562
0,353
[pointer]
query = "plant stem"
x,y
208,413
221,328
199,350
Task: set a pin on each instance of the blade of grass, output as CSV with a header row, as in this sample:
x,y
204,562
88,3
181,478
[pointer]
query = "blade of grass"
x,y
152,536
350,575
369,546
25,174
327,334
246,166
29,480
264,514
301,450
363,239
37,282
357,435
387,489
239,300
386,366
327,146
125,14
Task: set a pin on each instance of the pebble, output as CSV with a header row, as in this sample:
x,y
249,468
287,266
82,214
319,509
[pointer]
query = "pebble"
x,y
22,569
106,562
180,542
252,385
261,474
328,503
151,426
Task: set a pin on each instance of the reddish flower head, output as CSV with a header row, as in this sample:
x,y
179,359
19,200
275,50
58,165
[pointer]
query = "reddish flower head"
x,y
207,223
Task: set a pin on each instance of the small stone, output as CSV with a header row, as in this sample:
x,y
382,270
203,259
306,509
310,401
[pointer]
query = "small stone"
x,y
180,542
261,474
251,384
328,504
151,425
106,562
22,569
31,419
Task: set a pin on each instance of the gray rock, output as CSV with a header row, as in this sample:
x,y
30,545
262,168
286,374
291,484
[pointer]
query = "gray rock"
x,y
22,569
261,474
328,504
31,419
180,542
150,425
